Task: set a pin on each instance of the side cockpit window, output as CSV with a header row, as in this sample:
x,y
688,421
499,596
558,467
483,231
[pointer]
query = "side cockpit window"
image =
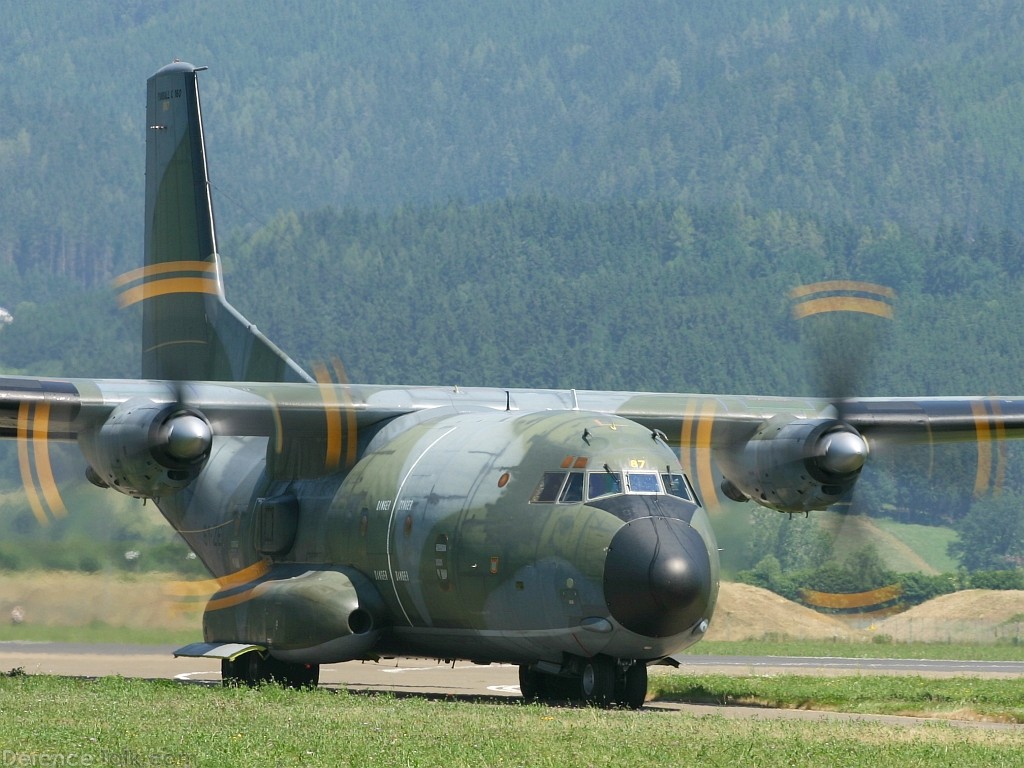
x,y
678,485
563,487
547,490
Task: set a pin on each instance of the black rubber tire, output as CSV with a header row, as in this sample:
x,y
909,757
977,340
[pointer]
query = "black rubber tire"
x,y
631,687
228,673
530,683
302,675
597,682
252,669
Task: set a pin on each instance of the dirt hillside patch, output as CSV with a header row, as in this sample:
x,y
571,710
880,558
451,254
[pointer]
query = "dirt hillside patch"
x,y
56,598
970,616
751,613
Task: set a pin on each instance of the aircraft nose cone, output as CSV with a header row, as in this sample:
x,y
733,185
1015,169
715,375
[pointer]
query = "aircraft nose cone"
x,y
657,577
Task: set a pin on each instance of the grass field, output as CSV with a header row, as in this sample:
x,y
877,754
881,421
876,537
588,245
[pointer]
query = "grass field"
x,y
903,547
859,650
964,698
929,542
113,721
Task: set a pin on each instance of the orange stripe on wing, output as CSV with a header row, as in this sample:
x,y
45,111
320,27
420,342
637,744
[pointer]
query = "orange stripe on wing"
x,y
855,286
209,586
332,415
351,427
840,600
842,296
705,473
231,600
686,448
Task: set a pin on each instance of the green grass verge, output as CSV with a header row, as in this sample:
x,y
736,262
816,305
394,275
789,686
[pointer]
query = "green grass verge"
x,y
115,721
903,547
99,633
929,542
999,700
820,648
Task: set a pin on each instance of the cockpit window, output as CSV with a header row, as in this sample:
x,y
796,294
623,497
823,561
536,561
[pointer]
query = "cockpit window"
x,y
642,482
573,490
550,485
603,484
677,486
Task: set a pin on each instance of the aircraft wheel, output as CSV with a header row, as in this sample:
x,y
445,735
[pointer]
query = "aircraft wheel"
x,y
289,674
597,683
252,669
301,675
531,683
229,673
631,687
248,669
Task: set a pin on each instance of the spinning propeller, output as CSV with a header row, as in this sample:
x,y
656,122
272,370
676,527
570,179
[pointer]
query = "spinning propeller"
x,y
841,320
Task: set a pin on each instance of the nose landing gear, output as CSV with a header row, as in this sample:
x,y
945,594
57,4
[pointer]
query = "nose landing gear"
x,y
600,681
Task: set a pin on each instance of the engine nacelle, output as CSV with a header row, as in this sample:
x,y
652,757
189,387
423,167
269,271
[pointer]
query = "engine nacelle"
x,y
147,449
796,465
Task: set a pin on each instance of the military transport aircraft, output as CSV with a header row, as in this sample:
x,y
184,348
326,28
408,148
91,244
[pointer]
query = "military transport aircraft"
x,y
562,531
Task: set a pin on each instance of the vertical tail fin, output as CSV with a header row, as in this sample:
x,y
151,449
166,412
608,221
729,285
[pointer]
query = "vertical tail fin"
x,y
189,331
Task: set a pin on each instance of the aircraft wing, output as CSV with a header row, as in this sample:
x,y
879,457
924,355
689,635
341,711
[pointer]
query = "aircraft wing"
x,y
901,420
760,448
797,455
249,409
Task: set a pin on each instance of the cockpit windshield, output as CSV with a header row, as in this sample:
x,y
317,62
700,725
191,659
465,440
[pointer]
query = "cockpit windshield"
x,y
642,482
573,487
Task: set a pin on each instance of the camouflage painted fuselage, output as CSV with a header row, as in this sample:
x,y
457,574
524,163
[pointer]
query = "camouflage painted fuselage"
x,y
440,541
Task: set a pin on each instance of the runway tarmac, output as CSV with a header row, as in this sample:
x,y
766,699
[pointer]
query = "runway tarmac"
x,y
464,680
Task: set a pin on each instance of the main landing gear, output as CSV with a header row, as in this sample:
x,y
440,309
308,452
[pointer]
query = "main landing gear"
x,y
255,668
600,681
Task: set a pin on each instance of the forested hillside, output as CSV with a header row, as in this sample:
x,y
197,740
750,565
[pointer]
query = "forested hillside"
x,y
861,112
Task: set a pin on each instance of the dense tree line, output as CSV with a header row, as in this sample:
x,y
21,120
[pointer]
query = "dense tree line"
x,y
854,111
623,295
